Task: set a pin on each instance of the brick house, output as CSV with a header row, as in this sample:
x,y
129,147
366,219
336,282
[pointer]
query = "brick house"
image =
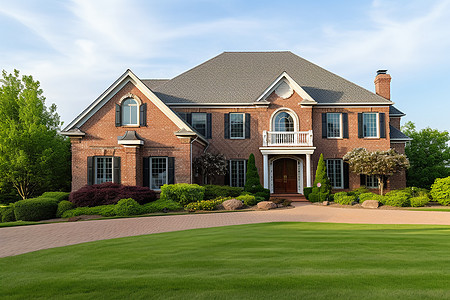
x,y
278,106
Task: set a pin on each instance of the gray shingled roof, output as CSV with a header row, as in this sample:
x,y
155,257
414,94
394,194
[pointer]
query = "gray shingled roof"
x,y
153,83
394,112
241,77
396,134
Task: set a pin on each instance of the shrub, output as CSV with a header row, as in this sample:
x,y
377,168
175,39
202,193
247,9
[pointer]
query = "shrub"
x,y
63,206
252,182
419,201
344,199
35,209
320,193
263,194
214,191
307,191
397,198
110,193
161,205
318,197
7,214
248,200
204,204
338,196
360,190
58,196
127,207
440,190
367,196
102,210
416,192
184,193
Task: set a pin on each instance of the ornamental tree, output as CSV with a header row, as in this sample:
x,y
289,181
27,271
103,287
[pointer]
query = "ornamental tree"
x,y
381,164
33,156
252,182
322,186
210,165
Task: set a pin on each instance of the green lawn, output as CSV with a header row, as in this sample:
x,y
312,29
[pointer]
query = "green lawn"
x,y
261,261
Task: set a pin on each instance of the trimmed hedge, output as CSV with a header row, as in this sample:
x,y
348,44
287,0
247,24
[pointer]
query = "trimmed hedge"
x,y
110,193
204,204
440,190
63,206
161,205
307,191
344,198
367,196
318,197
59,196
397,198
102,210
419,201
127,207
184,193
35,209
214,191
7,214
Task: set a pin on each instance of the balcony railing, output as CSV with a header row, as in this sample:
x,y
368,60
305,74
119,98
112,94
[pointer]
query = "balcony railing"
x,y
291,138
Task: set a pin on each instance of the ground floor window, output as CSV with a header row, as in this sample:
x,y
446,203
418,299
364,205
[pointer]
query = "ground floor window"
x,y
158,172
335,172
103,169
371,181
237,172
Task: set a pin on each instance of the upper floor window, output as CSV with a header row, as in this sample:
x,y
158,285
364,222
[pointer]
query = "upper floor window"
x,y
237,129
370,125
334,121
199,122
283,121
130,112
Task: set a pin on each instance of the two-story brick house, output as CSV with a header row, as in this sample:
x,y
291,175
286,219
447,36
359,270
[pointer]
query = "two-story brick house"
x,y
278,106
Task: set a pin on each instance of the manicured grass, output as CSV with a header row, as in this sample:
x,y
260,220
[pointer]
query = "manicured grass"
x,y
432,209
260,261
18,223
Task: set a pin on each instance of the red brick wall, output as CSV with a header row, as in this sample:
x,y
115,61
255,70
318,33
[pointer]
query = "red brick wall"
x,y
395,122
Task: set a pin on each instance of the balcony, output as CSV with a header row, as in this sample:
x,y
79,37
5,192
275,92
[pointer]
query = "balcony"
x,y
291,138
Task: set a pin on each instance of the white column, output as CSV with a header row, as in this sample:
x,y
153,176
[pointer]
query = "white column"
x,y
266,170
308,170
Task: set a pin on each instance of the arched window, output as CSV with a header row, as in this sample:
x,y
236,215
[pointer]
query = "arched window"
x,y
283,121
130,112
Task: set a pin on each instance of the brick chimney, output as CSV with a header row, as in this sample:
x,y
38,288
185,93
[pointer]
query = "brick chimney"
x,y
383,84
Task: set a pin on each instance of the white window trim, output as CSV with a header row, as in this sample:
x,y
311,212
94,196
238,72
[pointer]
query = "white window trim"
x,y
138,105
150,167
243,127
245,170
206,121
342,172
377,124
341,129
96,168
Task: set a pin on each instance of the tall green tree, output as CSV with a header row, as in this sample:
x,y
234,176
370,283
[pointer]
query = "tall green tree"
x,y
252,182
33,156
322,186
428,154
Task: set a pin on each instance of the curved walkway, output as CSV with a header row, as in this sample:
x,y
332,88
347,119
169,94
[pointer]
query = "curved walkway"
x,y
23,239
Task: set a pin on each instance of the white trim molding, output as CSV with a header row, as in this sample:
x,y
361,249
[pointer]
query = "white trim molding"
x,y
299,171
290,112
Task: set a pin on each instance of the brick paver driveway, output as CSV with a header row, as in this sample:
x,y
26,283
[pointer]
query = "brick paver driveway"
x,y
22,239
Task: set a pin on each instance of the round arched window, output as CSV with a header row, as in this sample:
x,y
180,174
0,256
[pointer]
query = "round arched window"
x,y
129,112
283,122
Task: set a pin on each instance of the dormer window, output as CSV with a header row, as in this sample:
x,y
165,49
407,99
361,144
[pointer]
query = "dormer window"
x,y
130,112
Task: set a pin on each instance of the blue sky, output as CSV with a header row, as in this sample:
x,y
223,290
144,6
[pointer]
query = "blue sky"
x,y
76,49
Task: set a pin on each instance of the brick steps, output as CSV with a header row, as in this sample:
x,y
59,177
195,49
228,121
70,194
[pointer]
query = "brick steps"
x,y
293,197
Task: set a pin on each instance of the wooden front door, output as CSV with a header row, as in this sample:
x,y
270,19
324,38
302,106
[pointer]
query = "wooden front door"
x,y
285,176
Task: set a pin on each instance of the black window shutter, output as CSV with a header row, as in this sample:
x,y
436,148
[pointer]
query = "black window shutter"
x,y
208,125
346,176
118,116
382,125
324,125
227,175
247,126
143,114
171,170
360,126
345,125
362,179
226,125
90,170
189,118
116,171
146,170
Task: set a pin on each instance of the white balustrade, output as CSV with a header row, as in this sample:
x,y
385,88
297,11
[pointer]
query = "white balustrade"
x,y
289,138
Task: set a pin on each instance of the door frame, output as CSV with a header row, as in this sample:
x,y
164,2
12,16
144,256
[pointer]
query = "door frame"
x,y
299,171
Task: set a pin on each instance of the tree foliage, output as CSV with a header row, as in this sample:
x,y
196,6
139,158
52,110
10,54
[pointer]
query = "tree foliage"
x,y
322,186
210,165
33,156
381,164
252,181
428,154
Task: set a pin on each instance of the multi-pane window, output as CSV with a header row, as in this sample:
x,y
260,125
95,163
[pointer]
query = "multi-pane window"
x,y
129,112
283,122
335,172
158,172
103,169
237,125
370,124
237,173
371,181
334,125
199,122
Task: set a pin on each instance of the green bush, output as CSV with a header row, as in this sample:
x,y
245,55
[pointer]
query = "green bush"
x,y
344,199
248,200
416,192
338,196
318,197
58,196
102,210
214,191
252,181
360,190
204,204
128,207
264,194
161,205
367,196
320,193
397,198
63,206
183,193
440,190
307,191
35,209
419,201
7,214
